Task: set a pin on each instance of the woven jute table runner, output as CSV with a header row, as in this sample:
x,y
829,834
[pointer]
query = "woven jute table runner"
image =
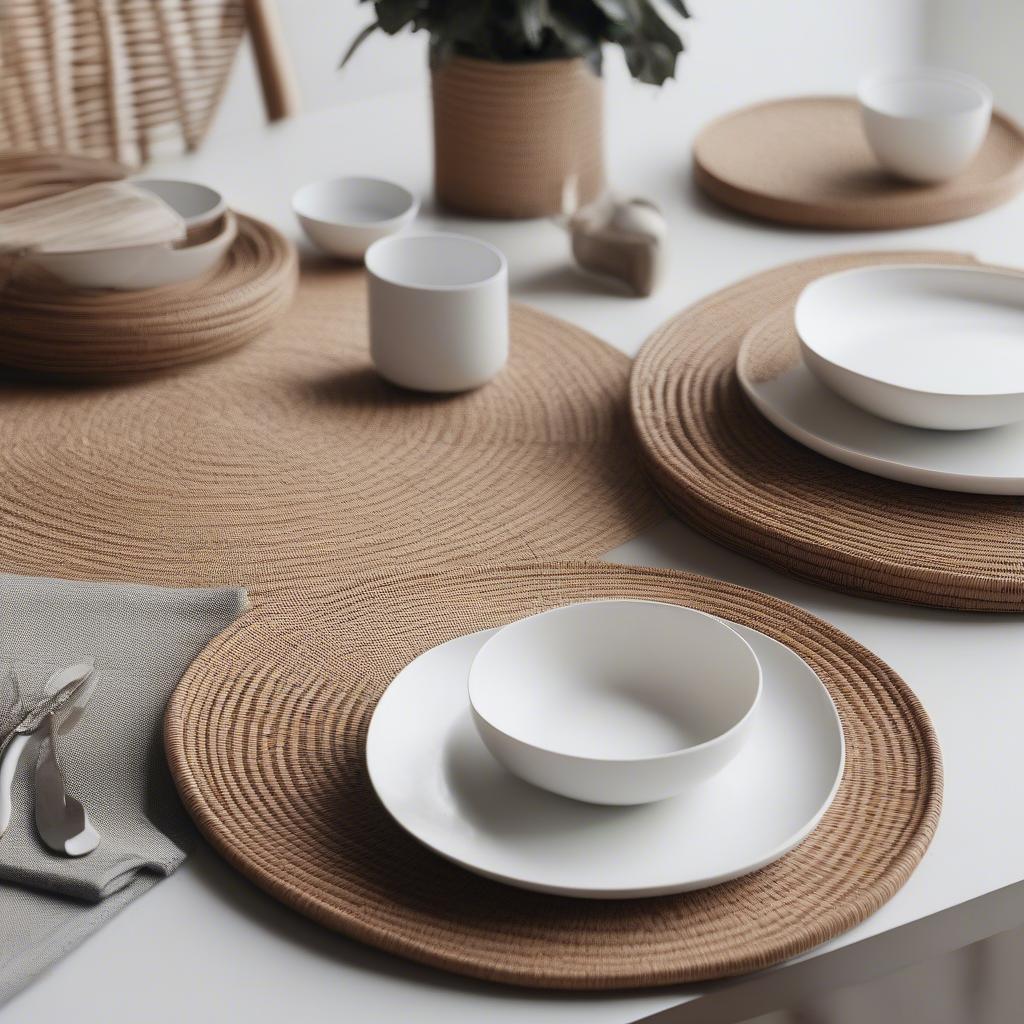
x,y
806,161
266,738
47,328
735,477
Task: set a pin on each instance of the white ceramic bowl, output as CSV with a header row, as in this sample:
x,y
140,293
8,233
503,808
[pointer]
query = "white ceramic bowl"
x,y
139,266
924,124
438,311
198,205
345,216
615,702
938,347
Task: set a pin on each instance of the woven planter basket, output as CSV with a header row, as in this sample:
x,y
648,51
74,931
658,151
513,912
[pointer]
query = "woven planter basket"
x,y
517,139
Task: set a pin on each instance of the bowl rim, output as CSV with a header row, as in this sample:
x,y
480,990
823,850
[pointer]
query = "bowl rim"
x,y
924,72
227,232
410,210
902,267
196,220
403,239
671,755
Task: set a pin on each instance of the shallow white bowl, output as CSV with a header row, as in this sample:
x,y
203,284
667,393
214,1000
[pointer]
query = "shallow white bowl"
x,y
615,702
140,266
198,205
345,216
937,347
924,124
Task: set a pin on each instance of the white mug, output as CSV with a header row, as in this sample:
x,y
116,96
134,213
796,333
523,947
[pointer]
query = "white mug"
x,y
438,311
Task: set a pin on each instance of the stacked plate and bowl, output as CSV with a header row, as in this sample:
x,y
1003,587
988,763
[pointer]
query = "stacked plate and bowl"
x,y
914,372
210,231
608,749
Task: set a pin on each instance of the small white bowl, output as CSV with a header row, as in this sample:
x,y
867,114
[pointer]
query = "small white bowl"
x,y
345,216
139,266
438,311
931,346
198,205
615,702
924,124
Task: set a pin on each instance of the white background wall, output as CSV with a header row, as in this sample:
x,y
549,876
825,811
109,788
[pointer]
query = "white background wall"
x,y
726,40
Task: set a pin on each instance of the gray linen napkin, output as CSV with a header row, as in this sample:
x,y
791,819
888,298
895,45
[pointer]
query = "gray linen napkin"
x,y
141,640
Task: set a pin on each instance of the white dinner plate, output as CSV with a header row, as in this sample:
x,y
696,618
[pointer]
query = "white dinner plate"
x,y
937,347
436,778
775,378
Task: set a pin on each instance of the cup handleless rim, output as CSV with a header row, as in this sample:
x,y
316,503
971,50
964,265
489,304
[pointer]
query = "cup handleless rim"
x,y
374,255
923,73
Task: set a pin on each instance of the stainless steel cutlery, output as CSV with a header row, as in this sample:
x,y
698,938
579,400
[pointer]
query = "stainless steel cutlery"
x,y
61,820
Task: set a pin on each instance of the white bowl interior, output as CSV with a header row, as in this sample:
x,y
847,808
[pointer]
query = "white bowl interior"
x,y
434,261
615,680
940,330
923,94
353,201
193,201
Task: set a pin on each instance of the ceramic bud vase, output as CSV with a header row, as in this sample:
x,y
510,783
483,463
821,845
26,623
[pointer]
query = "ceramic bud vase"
x,y
517,139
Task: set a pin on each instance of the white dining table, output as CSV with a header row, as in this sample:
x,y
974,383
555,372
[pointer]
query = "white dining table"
x,y
207,945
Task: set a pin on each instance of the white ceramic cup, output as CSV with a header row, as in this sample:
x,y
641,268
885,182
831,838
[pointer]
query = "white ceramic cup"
x,y
438,311
924,124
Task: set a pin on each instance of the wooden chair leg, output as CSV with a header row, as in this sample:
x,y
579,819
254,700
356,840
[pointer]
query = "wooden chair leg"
x,y
277,77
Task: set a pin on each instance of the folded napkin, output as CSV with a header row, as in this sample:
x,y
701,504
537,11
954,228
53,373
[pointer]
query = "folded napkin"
x,y
141,640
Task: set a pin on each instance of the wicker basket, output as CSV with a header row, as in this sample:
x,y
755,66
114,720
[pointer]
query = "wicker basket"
x,y
517,139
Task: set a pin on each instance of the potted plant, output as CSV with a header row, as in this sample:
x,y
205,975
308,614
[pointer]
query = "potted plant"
x,y
517,93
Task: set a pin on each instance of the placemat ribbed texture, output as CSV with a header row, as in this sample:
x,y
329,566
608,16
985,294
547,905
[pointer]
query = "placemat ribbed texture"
x,y
729,472
291,460
806,161
48,328
266,738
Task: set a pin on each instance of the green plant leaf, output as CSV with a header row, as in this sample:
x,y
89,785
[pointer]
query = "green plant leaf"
x,y
361,38
522,22
394,15
523,30
618,10
679,7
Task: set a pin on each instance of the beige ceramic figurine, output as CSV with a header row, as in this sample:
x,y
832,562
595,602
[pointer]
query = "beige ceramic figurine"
x,y
622,238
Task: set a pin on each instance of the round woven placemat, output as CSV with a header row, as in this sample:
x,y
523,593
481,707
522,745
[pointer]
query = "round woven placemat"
x,y
728,471
806,161
48,328
266,737
290,460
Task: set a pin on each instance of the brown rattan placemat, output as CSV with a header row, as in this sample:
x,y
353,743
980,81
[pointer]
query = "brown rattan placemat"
x,y
266,738
805,161
724,468
290,460
48,328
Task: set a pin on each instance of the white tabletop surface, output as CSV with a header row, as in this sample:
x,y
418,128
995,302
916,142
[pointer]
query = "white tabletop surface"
x,y
206,945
